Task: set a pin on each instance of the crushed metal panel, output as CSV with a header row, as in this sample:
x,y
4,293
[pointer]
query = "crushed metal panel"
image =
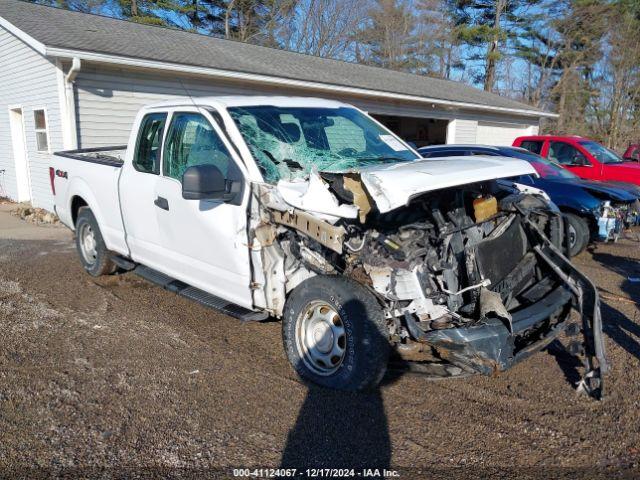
x,y
314,196
491,306
394,185
323,232
361,199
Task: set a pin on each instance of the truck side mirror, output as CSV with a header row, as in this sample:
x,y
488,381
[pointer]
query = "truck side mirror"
x,y
579,160
206,182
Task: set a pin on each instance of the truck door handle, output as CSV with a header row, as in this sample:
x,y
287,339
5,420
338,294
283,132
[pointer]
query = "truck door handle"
x,y
161,203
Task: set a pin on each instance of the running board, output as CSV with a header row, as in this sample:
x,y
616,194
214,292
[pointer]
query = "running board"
x,y
200,296
123,263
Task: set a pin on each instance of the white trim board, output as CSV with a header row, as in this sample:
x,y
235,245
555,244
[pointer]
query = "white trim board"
x,y
26,38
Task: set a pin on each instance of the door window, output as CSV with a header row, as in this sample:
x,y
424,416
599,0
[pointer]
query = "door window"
x,y
534,146
566,154
193,141
147,153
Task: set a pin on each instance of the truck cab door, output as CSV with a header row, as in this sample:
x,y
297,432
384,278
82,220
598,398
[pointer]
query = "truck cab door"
x,y
571,158
137,188
205,241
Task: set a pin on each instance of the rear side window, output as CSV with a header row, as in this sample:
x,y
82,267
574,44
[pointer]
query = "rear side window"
x,y
193,141
147,154
344,134
534,146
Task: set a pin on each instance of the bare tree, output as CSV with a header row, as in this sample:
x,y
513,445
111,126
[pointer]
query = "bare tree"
x,y
437,38
325,27
389,39
614,111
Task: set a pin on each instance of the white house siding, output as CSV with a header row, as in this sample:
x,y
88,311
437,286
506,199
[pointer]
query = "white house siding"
x,y
108,98
465,131
503,134
28,80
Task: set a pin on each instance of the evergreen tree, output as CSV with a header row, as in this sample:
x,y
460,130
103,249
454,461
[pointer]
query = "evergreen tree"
x,y
389,39
487,28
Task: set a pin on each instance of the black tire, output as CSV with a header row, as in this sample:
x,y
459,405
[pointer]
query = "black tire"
x,y
100,263
577,234
366,352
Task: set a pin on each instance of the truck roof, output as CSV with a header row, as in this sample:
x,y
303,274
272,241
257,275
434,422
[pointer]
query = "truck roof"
x,y
552,137
251,100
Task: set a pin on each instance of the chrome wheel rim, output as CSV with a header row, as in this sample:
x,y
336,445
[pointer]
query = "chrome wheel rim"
x,y
88,244
572,236
321,338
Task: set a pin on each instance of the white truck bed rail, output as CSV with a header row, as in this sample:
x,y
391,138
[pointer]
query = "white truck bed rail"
x,y
111,155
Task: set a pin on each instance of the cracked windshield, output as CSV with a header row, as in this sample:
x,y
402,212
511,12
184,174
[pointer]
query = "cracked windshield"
x,y
288,142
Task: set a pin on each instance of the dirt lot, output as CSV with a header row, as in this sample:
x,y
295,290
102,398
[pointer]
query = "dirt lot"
x,y
115,376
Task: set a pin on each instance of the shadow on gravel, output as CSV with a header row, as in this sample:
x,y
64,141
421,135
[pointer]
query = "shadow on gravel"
x,y
569,364
623,266
339,429
619,327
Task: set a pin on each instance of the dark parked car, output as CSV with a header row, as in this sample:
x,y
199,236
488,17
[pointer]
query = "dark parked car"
x,y
594,210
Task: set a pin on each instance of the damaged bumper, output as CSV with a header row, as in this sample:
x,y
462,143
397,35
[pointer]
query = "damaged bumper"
x,y
493,347
614,218
610,222
496,345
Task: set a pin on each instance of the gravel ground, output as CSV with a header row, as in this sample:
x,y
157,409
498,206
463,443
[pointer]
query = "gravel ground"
x,y
115,377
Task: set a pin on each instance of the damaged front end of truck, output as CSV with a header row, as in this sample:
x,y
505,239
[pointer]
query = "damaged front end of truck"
x,y
471,278
467,267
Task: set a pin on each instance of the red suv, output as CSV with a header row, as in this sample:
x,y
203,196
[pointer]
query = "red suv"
x,y
633,153
586,158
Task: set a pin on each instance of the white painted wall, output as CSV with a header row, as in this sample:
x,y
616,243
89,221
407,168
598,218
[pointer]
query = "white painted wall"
x,y
465,131
107,100
27,80
502,134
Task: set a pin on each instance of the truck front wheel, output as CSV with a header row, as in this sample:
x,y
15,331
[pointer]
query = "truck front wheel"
x,y
335,335
94,256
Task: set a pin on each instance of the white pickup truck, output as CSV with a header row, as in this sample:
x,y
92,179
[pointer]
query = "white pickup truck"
x,y
310,211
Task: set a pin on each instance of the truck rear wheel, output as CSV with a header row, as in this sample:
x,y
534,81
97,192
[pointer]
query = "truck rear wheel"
x,y
334,334
577,234
94,256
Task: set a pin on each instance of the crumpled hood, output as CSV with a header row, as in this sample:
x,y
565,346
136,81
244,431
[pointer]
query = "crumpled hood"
x,y
394,185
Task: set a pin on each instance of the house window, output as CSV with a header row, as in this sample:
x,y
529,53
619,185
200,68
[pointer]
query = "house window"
x,y
42,134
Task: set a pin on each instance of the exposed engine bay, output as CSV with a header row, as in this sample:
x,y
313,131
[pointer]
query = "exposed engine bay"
x,y
471,278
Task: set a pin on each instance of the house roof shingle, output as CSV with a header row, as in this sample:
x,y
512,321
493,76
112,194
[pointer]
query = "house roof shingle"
x,y
63,29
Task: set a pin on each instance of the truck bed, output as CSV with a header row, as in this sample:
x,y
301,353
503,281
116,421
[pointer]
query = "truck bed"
x,y
112,155
92,174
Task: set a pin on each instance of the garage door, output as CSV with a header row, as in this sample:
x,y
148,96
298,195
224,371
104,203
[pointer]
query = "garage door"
x,y
501,133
